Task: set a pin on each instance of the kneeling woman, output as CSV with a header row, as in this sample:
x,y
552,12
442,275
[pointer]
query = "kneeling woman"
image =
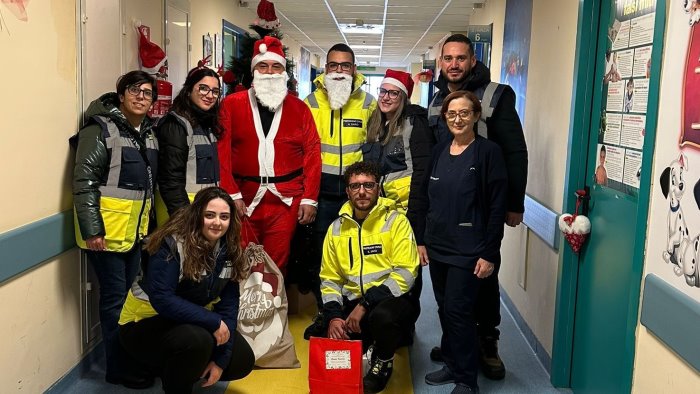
x,y
179,320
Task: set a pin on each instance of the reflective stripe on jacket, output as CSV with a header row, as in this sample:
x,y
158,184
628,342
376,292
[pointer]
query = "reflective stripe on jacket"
x,y
374,260
127,191
202,168
342,131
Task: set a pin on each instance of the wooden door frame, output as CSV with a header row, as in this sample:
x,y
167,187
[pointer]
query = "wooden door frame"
x,y
581,109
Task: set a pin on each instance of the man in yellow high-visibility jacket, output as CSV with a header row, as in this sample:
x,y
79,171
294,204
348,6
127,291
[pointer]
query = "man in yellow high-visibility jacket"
x,y
370,262
341,110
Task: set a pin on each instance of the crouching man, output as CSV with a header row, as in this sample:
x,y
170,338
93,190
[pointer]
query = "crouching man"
x,y
369,264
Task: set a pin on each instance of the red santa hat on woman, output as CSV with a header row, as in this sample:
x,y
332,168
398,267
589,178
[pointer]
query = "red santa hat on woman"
x,y
400,79
268,48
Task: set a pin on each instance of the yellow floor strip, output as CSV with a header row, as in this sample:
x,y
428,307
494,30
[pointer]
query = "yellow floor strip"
x,y
293,381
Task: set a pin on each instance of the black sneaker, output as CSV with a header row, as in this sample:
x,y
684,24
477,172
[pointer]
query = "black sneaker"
x,y
132,382
440,377
378,376
436,355
491,363
462,388
316,329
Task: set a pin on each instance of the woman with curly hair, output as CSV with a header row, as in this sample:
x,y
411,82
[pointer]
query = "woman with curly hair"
x,y
179,320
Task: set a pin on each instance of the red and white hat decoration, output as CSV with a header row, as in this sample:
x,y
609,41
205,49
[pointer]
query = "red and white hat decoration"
x,y
268,48
152,57
400,79
266,15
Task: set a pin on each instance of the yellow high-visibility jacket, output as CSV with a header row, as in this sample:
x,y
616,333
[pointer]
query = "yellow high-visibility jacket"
x,y
342,131
372,261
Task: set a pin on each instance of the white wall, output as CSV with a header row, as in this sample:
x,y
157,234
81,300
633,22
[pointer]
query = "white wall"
x,y
40,326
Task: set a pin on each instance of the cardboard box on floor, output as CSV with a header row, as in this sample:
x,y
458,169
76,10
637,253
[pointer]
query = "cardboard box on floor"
x,y
299,302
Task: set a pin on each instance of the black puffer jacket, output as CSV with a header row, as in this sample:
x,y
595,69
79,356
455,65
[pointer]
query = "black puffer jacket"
x,y
92,160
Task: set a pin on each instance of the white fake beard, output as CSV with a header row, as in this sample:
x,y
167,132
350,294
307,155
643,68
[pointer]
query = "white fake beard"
x,y
270,89
339,87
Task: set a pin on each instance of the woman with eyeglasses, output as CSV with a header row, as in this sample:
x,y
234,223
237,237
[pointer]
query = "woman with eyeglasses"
x,y
461,209
187,135
115,167
399,140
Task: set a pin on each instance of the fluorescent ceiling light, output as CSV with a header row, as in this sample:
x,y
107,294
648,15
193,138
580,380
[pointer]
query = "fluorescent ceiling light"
x,y
374,56
181,24
361,29
365,46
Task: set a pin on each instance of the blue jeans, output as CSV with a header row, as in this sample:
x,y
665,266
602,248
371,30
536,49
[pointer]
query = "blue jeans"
x,y
115,272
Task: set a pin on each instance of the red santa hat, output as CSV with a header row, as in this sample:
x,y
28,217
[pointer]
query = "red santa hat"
x,y
400,79
151,55
266,15
269,48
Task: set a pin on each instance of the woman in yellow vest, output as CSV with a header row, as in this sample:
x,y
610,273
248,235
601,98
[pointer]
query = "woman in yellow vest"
x,y
179,320
187,136
115,167
400,141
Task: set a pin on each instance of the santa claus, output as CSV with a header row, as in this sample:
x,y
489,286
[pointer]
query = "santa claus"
x,y
270,154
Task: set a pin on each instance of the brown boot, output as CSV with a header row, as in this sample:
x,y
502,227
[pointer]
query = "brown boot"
x,y
491,363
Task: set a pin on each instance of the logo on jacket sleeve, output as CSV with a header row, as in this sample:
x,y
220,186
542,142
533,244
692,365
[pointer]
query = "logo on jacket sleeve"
x,y
372,249
352,123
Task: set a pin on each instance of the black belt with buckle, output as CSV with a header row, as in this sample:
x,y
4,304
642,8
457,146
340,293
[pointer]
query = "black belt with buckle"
x,y
271,179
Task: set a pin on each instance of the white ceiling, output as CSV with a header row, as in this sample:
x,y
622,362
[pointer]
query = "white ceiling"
x,y
411,26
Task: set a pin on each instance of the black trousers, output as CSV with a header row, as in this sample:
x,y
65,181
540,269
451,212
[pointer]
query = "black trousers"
x,y
488,306
179,352
456,290
389,324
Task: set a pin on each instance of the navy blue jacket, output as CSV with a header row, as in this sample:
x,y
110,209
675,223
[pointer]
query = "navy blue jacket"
x,y
184,300
462,204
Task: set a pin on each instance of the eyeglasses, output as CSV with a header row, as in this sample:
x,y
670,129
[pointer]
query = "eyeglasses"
x,y
135,91
450,58
205,90
393,94
333,66
264,67
463,114
365,185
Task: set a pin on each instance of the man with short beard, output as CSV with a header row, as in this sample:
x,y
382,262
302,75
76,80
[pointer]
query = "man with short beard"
x,y
459,70
341,110
269,154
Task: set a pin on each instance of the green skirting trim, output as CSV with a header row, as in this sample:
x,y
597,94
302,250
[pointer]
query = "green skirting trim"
x,y
673,317
28,246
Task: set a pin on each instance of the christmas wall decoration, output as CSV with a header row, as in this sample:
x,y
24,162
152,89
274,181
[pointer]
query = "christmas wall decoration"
x,y
238,74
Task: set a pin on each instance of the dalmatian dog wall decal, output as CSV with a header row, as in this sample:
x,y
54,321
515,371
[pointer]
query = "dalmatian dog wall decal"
x,y
672,187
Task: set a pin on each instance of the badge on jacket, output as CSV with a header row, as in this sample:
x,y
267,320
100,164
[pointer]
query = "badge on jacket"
x,y
372,249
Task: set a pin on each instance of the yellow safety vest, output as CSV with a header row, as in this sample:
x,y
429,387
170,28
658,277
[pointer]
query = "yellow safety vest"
x,y
342,131
125,199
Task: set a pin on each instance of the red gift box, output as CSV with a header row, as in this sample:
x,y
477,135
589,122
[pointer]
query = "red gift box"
x,y
335,366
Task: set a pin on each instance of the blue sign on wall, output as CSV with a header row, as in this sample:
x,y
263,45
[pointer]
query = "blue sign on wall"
x,y
480,33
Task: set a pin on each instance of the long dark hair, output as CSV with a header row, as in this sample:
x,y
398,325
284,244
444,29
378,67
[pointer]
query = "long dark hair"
x,y
184,106
186,226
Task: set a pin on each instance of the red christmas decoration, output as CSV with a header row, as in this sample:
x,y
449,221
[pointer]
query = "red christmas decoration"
x,y
575,227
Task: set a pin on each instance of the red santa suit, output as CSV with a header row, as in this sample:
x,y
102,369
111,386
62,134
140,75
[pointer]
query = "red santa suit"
x,y
273,174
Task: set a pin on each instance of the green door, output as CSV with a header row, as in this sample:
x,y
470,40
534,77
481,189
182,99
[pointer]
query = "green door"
x,y
599,289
